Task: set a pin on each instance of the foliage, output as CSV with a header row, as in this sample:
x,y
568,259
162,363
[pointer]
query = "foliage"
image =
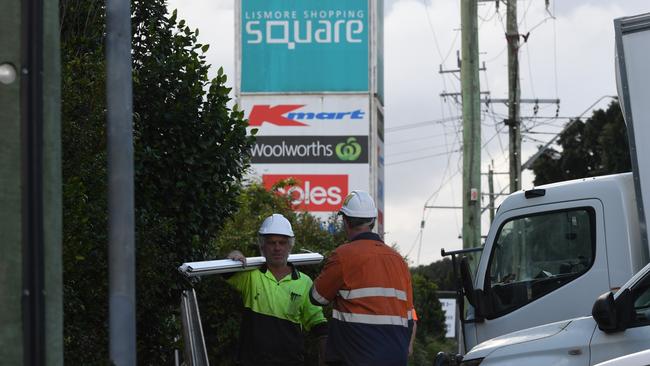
x,y
431,318
430,337
441,272
190,154
595,147
430,334
220,306
84,184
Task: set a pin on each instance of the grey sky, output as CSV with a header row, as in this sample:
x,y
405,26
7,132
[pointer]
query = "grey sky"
x,y
570,57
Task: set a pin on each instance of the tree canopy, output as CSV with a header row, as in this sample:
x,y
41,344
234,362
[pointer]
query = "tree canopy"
x,y
597,146
191,152
430,337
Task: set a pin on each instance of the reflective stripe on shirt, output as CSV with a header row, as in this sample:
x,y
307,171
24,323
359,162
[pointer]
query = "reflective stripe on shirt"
x,y
373,291
318,297
370,318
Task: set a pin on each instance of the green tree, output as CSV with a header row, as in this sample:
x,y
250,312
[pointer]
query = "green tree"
x,y
431,318
190,153
440,272
84,183
430,336
595,147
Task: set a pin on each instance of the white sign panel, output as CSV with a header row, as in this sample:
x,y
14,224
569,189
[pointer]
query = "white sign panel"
x,y
312,115
449,308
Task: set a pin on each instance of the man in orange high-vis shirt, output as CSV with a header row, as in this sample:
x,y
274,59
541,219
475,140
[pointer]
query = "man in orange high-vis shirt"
x,y
369,285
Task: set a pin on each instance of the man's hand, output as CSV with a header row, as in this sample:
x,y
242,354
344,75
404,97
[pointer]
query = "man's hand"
x,y
236,255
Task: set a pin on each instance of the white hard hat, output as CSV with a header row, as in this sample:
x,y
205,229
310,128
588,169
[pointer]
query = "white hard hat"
x,y
359,204
276,224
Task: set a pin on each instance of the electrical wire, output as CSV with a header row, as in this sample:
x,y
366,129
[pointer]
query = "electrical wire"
x,y
531,81
435,147
539,24
437,44
491,108
523,16
421,158
433,32
416,239
420,124
428,137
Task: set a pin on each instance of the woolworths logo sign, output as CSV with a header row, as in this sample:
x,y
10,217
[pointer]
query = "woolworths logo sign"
x,y
349,150
310,150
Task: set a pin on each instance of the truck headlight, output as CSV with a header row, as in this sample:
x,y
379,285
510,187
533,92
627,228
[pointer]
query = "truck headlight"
x,y
472,362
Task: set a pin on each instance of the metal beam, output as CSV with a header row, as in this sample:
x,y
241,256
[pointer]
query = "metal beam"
x,y
521,101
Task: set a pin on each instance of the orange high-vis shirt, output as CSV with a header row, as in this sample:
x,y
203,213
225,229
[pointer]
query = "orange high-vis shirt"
x,y
369,285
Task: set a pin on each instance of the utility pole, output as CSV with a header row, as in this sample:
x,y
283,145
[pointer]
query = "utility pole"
x,y
121,216
514,118
470,89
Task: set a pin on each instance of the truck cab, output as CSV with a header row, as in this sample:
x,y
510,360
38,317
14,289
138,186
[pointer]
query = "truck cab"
x,y
552,249
555,245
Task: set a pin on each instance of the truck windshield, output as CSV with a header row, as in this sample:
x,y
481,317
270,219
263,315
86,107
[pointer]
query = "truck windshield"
x,y
534,255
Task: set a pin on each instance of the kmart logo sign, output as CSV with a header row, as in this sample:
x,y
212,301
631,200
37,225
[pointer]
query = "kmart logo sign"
x,y
293,115
310,150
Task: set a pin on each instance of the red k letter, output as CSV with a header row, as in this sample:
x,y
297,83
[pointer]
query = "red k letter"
x,y
266,113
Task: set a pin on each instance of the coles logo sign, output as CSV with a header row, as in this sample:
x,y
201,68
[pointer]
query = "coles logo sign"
x,y
314,193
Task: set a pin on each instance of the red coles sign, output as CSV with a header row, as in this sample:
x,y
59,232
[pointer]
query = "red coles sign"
x,y
313,193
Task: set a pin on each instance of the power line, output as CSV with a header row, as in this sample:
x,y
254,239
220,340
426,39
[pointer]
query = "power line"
x,y
539,152
422,157
523,16
434,147
433,32
420,124
491,108
428,137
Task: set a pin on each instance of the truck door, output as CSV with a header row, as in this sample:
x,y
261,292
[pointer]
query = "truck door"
x,y
543,264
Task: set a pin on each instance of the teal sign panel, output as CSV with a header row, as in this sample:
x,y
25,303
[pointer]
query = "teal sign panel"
x,y
304,46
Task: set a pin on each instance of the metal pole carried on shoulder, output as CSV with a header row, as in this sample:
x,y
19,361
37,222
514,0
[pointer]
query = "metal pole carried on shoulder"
x,y
195,351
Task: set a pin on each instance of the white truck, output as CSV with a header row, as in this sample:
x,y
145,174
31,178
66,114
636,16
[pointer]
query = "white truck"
x,y
620,325
552,250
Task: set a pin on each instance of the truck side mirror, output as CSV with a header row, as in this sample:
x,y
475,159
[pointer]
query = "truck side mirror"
x,y
479,299
613,315
466,278
604,313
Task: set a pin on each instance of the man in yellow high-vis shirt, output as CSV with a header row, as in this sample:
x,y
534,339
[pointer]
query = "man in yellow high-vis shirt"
x,y
277,310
